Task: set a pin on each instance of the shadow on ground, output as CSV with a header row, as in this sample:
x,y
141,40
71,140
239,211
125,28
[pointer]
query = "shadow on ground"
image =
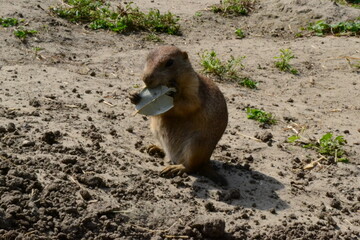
x,y
246,188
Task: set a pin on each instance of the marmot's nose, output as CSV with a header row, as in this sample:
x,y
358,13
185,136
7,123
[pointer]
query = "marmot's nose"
x,y
148,79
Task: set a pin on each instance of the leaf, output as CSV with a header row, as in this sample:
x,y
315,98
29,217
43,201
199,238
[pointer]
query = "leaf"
x,y
293,138
326,137
343,160
155,101
340,140
310,145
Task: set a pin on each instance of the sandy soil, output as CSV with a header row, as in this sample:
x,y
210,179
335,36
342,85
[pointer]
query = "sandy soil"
x,y
74,167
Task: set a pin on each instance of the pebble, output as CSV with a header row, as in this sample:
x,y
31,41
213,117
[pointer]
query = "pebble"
x,y
335,203
85,194
27,143
2,129
11,127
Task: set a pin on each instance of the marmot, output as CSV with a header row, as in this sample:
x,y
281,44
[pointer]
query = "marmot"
x,y
189,132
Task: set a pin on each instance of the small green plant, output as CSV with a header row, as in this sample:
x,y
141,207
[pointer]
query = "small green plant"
x,y
234,7
9,22
213,65
260,116
37,49
299,35
327,145
152,37
247,82
20,32
283,62
356,65
97,14
23,33
322,28
352,3
81,11
240,33
198,14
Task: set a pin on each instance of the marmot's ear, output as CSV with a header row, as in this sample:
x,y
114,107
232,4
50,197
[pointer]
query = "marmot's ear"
x,y
185,55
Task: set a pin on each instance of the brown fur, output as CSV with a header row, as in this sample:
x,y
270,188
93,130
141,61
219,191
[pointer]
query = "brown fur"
x,y
189,132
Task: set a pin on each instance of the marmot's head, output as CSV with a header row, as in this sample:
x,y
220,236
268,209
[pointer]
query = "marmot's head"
x,y
165,66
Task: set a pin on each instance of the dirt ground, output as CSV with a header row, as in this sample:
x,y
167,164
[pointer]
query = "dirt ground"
x,y
72,160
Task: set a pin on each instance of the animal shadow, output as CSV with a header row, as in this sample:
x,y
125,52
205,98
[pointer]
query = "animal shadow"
x,y
246,188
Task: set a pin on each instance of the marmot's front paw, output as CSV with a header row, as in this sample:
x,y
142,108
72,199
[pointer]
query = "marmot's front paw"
x,y
155,151
135,98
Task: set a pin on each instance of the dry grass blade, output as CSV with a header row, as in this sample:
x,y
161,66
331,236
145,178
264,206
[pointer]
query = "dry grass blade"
x,y
109,104
177,236
314,163
258,140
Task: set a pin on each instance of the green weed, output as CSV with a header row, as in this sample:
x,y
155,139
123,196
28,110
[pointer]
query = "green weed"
x,y
283,62
327,145
37,49
247,82
82,11
213,65
239,33
356,65
23,33
152,37
352,3
260,116
198,14
20,32
299,35
322,28
98,15
9,22
229,70
234,7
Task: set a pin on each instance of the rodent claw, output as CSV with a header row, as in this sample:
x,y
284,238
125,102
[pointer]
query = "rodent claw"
x,y
135,98
173,170
155,151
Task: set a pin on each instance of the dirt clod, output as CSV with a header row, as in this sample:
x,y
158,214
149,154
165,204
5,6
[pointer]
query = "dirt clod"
x,y
335,203
214,228
34,103
85,194
209,206
51,137
92,181
264,136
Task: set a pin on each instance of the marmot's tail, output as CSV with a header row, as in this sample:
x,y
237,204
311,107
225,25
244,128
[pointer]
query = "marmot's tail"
x,y
209,172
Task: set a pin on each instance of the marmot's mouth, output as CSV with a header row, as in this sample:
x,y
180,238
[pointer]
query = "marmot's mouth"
x,y
173,84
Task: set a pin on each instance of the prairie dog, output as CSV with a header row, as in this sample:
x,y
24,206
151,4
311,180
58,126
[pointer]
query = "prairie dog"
x,y
189,132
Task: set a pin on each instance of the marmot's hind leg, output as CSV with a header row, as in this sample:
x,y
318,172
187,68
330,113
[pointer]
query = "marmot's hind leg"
x,y
190,162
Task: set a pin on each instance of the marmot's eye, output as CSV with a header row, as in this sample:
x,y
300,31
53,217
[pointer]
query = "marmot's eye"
x,y
169,63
